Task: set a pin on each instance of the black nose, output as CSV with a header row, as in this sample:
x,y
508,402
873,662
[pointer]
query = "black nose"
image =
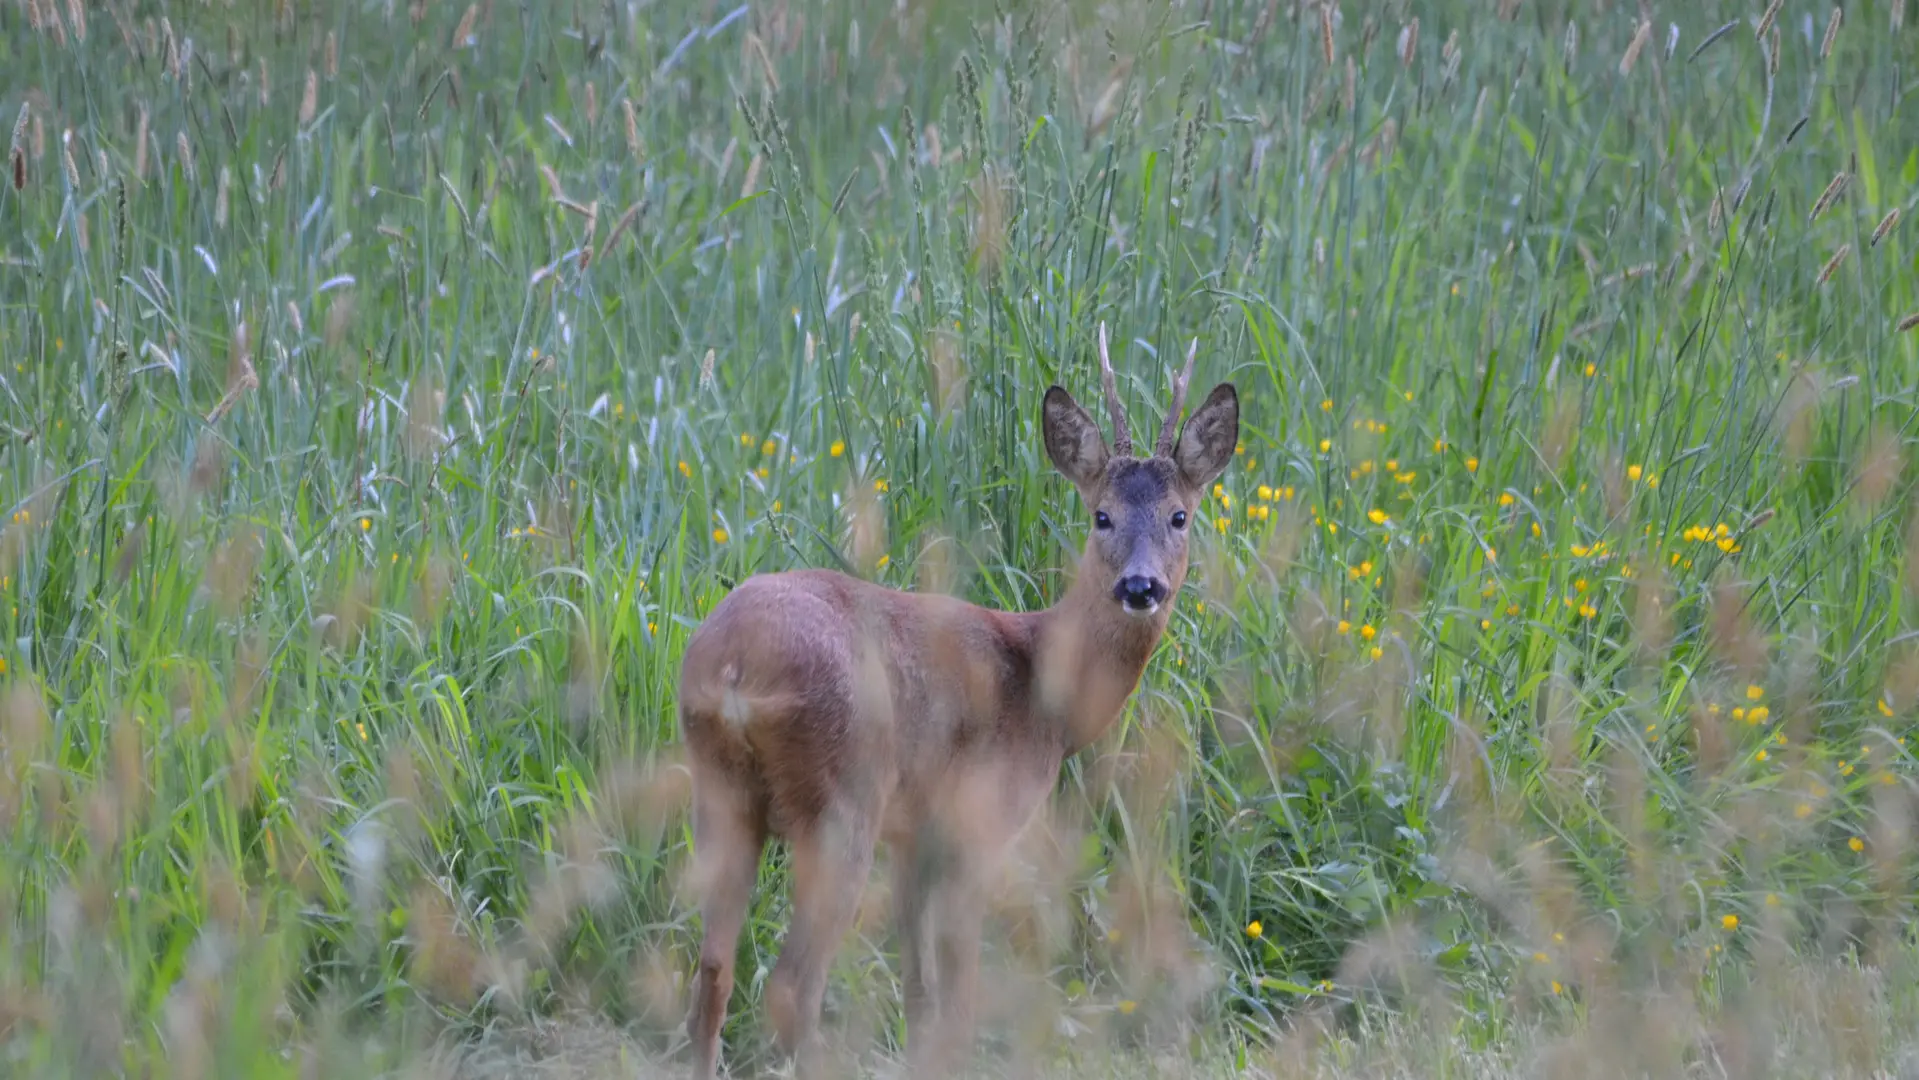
x,y
1139,593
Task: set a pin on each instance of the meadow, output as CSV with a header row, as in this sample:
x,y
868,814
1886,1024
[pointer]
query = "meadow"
x,y
388,388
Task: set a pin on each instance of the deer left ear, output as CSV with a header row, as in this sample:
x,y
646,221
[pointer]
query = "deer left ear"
x,y
1206,443
1072,439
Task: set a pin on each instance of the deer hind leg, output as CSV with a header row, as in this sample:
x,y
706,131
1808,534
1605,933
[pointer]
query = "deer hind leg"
x,y
831,861
727,836
957,951
913,883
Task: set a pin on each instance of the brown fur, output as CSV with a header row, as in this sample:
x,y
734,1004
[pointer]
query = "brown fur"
x,y
837,714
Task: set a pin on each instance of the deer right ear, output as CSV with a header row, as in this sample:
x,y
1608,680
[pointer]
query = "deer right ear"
x,y
1073,441
1207,442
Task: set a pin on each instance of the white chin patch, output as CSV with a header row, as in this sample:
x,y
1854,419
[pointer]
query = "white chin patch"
x,y
1142,612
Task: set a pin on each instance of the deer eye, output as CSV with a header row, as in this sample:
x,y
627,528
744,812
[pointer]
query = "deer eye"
x,y
1179,519
1101,521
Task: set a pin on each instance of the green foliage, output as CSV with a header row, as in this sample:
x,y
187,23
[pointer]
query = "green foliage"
x,y
388,390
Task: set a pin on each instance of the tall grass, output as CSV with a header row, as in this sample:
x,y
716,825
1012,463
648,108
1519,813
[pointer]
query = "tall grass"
x,y
388,390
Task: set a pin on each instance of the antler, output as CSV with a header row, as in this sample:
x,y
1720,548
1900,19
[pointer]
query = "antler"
x,y
1169,430
1122,440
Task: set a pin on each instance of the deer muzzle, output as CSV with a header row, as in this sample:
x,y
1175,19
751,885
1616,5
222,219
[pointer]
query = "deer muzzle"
x,y
1140,594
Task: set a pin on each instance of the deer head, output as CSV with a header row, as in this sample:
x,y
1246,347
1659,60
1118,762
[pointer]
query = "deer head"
x,y
1142,507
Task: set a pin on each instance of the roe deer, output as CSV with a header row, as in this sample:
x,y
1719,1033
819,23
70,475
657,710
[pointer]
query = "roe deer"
x,y
836,714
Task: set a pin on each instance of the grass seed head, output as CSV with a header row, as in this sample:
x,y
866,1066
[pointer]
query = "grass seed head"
x,y
1886,225
1766,20
1831,195
1832,265
309,98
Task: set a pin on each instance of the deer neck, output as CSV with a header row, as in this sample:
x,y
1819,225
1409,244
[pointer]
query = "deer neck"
x,y
1088,658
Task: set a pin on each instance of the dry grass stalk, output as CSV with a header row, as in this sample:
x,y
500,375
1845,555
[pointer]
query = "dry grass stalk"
x,y
553,188
140,137
66,159
752,181
1878,471
1639,39
463,33
240,374
757,49
989,225
619,228
185,150
330,56
1832,32
1408,47
1326,45
1910,322
632,119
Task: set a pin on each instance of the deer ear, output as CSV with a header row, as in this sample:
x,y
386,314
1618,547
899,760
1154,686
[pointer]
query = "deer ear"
x,y
1073,441
1206,443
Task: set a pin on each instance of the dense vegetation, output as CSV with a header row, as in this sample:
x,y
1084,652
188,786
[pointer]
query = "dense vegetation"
x,y
389,389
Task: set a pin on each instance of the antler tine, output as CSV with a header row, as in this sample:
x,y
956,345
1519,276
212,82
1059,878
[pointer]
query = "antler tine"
x,y
1122,439
1169,430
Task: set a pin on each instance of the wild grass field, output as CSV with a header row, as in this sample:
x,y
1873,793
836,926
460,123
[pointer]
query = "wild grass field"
x,y
388,389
